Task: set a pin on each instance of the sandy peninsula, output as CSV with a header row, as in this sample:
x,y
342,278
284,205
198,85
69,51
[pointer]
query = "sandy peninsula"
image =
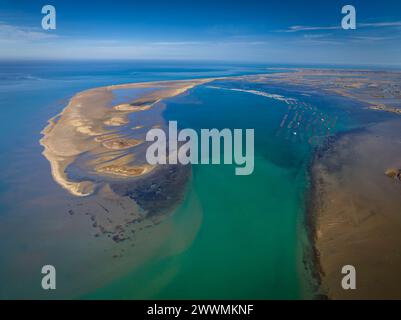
x,y
91,125
96,149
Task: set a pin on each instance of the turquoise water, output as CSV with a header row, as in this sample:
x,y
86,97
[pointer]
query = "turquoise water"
x,y
247,246
247,233
252,238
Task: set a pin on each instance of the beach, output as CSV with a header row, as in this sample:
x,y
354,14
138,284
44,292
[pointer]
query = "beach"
x,y
89,124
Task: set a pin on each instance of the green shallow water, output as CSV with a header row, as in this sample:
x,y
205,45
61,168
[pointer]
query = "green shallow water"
x,y
243,237
250,240
231,237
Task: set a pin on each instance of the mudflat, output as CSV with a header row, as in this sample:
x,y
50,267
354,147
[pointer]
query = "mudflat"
x,y
357,211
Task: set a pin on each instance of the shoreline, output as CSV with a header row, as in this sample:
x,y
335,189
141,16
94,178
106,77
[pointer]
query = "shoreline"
x,y
374,92
76,130
312,215
122,164
101,162
354,222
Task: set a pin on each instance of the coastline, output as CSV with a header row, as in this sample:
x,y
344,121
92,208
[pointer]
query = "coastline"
x,y
88,124
96,149
312,217
110,146
354,221
375,92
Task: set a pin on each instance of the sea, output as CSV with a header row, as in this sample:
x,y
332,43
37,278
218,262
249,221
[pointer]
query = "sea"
x,y
250,239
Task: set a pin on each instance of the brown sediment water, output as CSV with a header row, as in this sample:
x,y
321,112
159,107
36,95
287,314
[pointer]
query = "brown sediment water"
x,y
357,212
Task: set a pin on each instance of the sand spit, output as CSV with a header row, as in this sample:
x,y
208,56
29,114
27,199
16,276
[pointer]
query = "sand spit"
x,y
381,90
131,108
90,124
120,144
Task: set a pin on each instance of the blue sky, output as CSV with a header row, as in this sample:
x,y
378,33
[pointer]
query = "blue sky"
x,y
284,31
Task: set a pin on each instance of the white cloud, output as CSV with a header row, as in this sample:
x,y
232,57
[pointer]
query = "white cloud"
x,y
381,24
10,32
359,25
309,28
